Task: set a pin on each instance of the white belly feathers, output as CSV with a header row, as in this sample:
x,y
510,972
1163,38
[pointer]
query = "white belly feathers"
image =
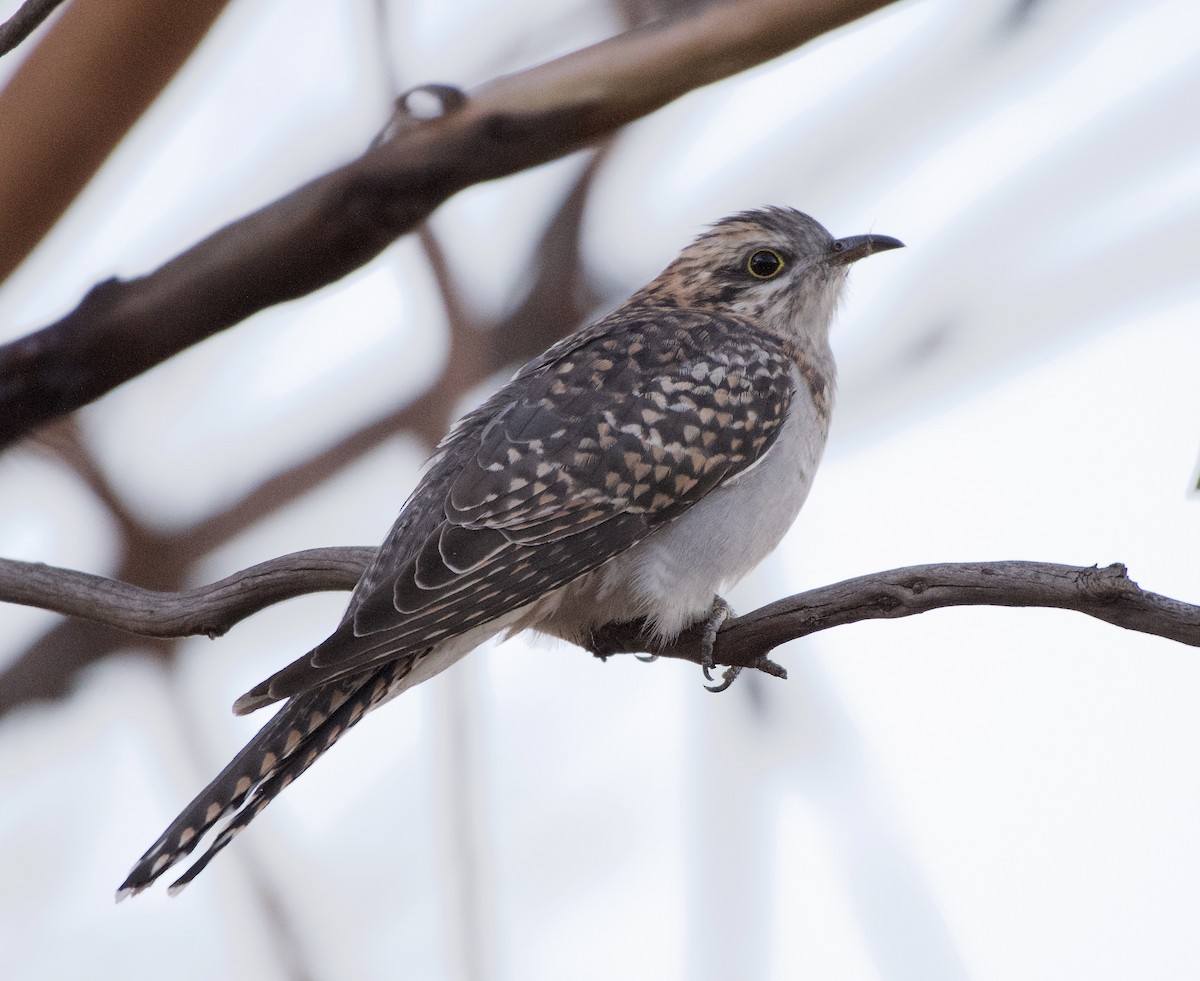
x,y
670,578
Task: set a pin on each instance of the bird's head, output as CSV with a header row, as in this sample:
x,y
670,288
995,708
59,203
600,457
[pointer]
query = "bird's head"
x,y
776,266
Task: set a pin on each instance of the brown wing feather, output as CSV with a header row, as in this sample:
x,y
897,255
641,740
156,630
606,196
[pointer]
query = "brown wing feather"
x,y
614,432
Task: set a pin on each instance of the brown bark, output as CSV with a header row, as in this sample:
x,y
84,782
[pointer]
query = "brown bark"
x,y
338,222
1105,593
76,95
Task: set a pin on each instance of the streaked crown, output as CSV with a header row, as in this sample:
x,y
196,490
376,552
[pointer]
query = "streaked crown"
x,y
777,266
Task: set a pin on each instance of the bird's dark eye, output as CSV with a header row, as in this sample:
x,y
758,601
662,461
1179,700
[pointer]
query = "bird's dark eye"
x,y
764,264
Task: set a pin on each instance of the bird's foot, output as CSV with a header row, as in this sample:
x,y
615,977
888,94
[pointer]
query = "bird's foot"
x,y
717,615
608,639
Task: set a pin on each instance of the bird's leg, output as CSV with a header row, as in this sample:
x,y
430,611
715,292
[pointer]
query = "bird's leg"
x,y
717,615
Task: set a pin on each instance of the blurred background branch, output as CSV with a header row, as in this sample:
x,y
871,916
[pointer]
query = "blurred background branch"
x,y
338,222
72,100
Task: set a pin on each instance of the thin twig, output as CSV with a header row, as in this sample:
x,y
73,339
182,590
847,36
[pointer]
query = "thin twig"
x,y
24,22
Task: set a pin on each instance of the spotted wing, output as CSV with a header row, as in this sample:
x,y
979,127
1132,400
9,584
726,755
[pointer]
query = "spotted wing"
x,y
612,433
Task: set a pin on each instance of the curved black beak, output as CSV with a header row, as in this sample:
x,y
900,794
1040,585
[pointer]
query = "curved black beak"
x,y
854,247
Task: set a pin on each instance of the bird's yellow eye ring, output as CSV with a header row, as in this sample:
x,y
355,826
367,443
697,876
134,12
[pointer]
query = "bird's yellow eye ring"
x,y
764,264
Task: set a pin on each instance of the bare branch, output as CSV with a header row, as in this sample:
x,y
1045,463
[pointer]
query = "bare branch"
x,y
1107,594
327,228
24,22
209,610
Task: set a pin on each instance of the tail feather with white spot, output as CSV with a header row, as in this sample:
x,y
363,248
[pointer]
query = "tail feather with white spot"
x,y
285,747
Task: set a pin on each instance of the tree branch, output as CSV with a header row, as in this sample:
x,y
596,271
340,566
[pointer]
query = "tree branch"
x,y
24,22
1107,594
338,222
209,610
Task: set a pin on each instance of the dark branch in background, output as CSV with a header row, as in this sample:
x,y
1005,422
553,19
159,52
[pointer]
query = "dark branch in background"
x,y
24,22
335,224
1105,593
1019,14
144,556
560,291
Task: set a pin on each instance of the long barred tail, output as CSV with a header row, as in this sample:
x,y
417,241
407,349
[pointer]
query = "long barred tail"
x,y
285,747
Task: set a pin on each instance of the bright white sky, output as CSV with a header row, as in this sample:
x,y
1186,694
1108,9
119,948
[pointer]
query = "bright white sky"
x,y
991,794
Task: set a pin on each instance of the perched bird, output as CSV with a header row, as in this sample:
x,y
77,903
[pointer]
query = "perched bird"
x,y
630,473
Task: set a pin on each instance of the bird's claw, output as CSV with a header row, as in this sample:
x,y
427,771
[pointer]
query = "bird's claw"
x,y
717,615
727,679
